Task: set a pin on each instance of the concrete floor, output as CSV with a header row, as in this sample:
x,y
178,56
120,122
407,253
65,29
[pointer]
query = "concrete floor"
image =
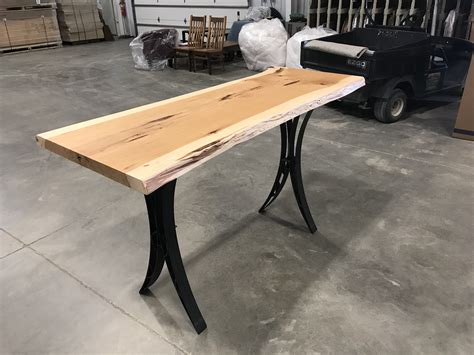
x,y
389,272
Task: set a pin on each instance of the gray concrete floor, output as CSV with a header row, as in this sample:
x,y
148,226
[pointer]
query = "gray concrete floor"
x,y
390,270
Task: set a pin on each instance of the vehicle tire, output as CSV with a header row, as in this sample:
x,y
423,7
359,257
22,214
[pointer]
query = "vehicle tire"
x,y
392,109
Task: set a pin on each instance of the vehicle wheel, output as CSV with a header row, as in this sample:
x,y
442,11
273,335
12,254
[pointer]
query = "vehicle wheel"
x,y
391,110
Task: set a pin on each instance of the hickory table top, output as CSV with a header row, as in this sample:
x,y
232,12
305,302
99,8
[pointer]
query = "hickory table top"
x,y
150,145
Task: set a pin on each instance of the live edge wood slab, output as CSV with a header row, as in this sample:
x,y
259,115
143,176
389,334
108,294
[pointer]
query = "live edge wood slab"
x,y
148,146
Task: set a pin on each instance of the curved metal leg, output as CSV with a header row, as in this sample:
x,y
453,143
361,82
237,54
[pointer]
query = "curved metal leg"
x,y
290,164
164,247
297,179
282,173
181,283
157,249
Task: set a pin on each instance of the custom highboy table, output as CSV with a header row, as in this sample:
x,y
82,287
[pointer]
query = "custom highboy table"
x,y
147,148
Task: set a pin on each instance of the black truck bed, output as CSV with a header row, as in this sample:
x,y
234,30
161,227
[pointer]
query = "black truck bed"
x,y
392,53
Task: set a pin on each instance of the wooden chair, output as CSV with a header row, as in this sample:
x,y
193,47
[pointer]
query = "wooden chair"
x,y
214,51
197,28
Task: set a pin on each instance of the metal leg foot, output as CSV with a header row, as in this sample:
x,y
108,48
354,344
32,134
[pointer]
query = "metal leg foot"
x,y
164,247
290,164
181,283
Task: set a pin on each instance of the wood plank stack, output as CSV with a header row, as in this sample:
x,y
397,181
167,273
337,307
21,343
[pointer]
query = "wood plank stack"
x,y
19,4
26,24
79,20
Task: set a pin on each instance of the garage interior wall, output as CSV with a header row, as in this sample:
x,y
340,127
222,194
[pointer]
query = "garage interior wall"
x,y
285,7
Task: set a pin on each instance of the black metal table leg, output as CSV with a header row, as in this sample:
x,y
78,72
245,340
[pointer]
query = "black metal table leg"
x,y
164,243
164,247
283,170
290,164
157,247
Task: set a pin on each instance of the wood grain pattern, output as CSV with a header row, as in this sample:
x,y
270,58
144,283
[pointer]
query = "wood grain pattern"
x,y
147,146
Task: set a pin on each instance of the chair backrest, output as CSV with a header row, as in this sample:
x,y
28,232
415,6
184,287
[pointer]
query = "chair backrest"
x,y
197,27
216,33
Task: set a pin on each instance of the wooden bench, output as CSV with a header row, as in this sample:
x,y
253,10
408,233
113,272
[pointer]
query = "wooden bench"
x,y
147,148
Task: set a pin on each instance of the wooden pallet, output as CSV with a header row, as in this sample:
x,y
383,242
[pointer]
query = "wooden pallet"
x,y
85,41
30,47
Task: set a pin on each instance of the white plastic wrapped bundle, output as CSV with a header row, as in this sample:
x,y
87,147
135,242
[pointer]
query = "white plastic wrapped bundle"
x,y
293,47
151,50
257,13
263,44
136,46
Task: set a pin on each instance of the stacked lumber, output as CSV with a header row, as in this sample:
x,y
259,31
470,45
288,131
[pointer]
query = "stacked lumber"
x,y
27,26
24,4
79,20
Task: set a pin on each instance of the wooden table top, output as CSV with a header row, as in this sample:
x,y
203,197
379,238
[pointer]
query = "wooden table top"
x,y
148,146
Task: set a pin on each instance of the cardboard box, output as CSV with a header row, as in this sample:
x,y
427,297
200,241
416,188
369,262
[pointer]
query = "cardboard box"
x,y
79,20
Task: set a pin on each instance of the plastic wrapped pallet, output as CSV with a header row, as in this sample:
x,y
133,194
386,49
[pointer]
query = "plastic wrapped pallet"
x,y
293,46
79,20
263,44
151,50
257,13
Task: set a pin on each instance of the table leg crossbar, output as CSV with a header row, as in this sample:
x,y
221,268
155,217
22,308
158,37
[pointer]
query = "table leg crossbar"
x,y
164,243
